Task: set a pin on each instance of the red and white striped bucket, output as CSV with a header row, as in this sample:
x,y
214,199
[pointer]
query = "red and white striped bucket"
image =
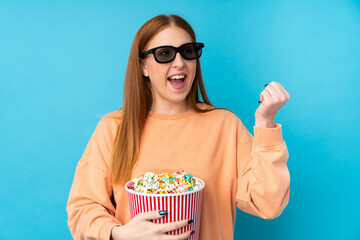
x,y
180,206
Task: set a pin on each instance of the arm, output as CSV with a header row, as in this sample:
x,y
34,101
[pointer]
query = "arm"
x,y
263,178
89,207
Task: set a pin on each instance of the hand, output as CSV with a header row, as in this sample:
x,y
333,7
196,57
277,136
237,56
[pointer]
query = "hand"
x,y
272,98
141,228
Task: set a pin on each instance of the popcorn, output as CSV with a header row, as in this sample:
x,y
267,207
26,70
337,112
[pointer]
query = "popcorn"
x,y
164,183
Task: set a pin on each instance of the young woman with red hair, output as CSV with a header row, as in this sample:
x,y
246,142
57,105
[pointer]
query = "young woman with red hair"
x,y
164,125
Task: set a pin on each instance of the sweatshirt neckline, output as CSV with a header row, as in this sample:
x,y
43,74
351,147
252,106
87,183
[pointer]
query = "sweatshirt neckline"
x,y
171,116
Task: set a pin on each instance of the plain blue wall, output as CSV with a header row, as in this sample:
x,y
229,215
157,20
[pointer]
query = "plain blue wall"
x,y
63,63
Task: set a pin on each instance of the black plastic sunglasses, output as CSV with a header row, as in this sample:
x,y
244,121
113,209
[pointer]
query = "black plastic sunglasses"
x,y
166,54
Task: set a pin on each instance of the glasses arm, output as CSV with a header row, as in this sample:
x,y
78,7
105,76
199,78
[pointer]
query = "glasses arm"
x,y
146,53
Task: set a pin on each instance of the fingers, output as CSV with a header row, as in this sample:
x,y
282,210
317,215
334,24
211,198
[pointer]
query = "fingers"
x,y
182,236
167,227
274,92
278,88
280,94
265,96
162,229
285,92
147,216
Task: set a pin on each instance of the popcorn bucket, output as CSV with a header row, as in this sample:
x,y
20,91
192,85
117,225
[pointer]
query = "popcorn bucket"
x,y
180,206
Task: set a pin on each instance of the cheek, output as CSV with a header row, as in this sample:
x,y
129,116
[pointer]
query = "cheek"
x,y
157,73
193,66
192,69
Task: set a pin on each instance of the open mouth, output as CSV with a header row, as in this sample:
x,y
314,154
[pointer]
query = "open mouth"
x,y
177,81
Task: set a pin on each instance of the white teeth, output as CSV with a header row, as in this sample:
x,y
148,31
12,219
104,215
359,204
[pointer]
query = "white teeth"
x,y
177,77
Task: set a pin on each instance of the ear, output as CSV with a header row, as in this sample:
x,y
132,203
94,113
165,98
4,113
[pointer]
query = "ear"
x,y
144,69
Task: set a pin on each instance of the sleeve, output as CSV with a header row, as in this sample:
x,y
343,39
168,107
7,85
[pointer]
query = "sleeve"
x,y
263,179
89,207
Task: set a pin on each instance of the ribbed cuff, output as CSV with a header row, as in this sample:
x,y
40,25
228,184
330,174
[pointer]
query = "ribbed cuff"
x,y
268,137
105,230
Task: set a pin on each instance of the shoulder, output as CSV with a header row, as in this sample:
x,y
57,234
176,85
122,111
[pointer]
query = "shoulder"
x,y
110,122
218,112
219,117
114,114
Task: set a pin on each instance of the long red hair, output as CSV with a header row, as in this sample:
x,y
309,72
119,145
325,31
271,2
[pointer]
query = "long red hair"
x,y
137,98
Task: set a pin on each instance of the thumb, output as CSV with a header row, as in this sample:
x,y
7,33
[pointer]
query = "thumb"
x,y
147,216
261,98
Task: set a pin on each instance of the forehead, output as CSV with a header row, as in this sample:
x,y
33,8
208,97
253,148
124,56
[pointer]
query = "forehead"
x,y
173,36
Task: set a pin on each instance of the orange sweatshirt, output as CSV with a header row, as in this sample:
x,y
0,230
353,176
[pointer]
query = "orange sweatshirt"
x,y
239,170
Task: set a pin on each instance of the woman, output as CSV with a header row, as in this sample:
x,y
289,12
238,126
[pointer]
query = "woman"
x,y
163,125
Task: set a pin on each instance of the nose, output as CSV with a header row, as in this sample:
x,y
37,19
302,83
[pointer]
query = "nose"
x,y
178,61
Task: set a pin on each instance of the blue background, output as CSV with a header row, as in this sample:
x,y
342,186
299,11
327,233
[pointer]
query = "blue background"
x,y
62,64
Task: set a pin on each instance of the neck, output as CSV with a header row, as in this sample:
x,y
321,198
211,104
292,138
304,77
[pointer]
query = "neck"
x,y
170,108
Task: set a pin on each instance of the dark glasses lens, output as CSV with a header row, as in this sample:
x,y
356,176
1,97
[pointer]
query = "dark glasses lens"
x,y
191,51
167,54
164,54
